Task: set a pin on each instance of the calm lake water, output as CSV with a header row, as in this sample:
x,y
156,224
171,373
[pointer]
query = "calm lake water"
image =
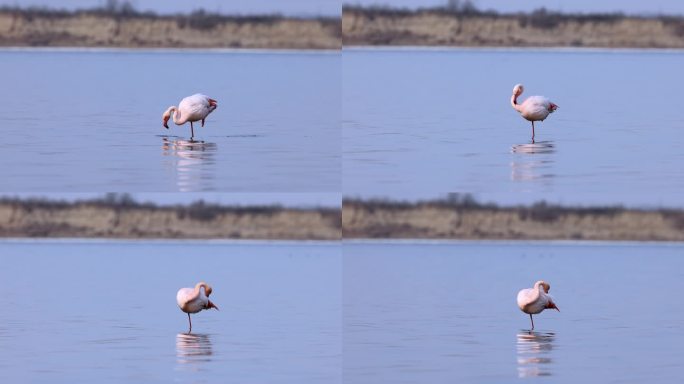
x,y
105,311
447,312
421,123
90,120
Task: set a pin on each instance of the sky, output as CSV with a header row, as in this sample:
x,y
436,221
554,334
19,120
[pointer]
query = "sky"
x,y
286,7
626,6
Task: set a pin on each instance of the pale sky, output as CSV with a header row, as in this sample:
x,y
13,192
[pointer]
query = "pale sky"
x,y
286,7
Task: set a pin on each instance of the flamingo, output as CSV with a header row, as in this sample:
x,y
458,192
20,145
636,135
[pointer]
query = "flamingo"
x,y
193,300
534,300
192,108
534,108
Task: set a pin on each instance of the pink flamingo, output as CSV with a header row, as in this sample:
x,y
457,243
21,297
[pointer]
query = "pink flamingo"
x,y
192,108
534,108
193,300
534,300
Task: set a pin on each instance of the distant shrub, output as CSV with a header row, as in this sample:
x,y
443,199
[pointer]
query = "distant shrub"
x,y
544,19
675,23
462,7
544,212
199,19
119,7
675,216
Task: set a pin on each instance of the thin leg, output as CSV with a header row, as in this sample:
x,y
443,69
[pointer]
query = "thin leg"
x,y
530,320
203,122
192,134
190,321
532,143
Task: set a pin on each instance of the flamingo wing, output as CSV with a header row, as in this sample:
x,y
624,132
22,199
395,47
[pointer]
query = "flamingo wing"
x,y
536,108
196,107
529,300
189,300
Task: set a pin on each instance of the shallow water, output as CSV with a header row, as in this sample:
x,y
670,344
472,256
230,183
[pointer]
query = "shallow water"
x,y
105,311
447,312
422,123
89,120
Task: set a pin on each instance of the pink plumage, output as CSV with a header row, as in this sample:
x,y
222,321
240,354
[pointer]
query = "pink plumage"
x,y
193,300
534,300
192,108
534,108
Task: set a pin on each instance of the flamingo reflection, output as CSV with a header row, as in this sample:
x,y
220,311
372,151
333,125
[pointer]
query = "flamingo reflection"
x,y
532,161
534,353
192,160
192,350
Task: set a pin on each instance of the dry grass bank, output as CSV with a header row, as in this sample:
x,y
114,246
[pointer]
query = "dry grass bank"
x,y
143,30
466,219
128,219
438,27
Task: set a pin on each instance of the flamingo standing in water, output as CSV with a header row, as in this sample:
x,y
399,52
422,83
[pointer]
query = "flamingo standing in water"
x,y
193,300
192,108
534,300
534,108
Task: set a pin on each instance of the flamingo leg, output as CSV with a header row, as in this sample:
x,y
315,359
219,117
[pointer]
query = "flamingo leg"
x,y
530,320
190,321
192,134
202,122
532,143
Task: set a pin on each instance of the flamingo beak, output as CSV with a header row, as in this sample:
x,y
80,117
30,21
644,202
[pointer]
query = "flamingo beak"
x,y
553,306
166,122
212,103
211,305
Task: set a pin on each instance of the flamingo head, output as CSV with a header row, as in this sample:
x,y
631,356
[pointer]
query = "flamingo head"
x,y
518,90
212,103
166,116
207,287
543,284
211,305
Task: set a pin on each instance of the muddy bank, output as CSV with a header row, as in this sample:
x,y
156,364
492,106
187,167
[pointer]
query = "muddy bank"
x,y
466,219
140,30
102,219
434,27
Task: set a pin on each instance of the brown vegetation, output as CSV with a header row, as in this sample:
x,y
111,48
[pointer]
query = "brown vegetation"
x,y
122,26
118,216
457,217
468,27
464,218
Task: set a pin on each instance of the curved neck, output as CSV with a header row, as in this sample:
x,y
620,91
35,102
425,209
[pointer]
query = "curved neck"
x,y
198,289
540,286
175,113
514,102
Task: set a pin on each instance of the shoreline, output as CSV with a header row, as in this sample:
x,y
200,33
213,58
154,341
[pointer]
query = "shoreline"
x,y
486,242
441,27
255,51
207,241
550,49
458,218
122,218
26,27
466,219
